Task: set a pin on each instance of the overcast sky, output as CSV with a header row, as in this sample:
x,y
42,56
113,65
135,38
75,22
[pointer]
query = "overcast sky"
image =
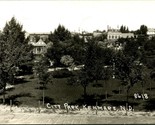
x,y
90,15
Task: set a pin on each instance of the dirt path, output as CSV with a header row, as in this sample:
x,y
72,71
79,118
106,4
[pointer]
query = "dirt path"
x,y
17,115
34,118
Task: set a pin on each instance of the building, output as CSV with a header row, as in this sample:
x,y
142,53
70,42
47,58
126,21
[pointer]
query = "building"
x,y
33,36
114,35
97,33
151,32
85,35
38,41
39,47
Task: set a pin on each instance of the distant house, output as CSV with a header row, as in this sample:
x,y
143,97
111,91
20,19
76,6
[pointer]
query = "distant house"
x,y
97,33
114,35
39,42
86,36
151,32
39,47
43,36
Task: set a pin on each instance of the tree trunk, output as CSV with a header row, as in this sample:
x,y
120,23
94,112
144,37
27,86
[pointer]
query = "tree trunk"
x,y
96,81
85,93
3,95
106,96
127,99
43,95
127,95
119,90
150,85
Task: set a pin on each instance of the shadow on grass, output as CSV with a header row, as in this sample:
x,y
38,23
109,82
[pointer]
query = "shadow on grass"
x,y
91,99
14,98
47,100
117,91
8,90
19,81
97,85
120,102
149,105
101,100
152,89
41,88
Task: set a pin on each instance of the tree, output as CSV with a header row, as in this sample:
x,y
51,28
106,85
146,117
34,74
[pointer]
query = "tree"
x,y
67,60
86,75
14,51
55,53
61,38
77,49
43,75
142,31
107,73
84,80
90,59
128,71
124,29
60,34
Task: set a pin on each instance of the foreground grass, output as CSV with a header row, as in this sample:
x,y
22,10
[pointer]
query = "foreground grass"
x,y
28,93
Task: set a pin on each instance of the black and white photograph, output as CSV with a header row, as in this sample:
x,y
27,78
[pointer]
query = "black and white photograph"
x,y
77,62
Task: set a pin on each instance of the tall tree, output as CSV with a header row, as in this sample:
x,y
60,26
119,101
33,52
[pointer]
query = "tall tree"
x,y
43,75
84,80
142,31
77,49
124,29
61,38
60,34
128,71
86,75
14,50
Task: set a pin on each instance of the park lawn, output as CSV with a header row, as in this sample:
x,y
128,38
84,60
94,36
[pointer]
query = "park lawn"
x,y
59,92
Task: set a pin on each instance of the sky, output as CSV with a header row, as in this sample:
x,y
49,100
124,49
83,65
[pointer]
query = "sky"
x,y
77,15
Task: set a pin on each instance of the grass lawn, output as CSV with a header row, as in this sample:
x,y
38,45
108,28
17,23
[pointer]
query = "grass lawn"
x,y
27,93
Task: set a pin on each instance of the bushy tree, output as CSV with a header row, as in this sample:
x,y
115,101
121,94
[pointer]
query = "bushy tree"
x,y
124,29
67,60
142,30
66,44
77,49
60,34
14,50
128,71
61,38
43,75
84,80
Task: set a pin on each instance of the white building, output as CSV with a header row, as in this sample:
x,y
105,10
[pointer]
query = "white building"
x,y
40,47
114,35
151,32
97,33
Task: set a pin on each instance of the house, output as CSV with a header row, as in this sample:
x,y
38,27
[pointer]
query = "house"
x,y
86,36
114,35
97,33
33,36
151,32
39,47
